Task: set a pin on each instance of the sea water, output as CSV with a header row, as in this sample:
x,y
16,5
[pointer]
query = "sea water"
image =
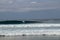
x,y
30,29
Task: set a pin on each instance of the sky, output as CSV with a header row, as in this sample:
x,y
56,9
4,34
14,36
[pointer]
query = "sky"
x,y
29,9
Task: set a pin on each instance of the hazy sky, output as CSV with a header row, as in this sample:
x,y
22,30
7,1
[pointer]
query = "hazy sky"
x,y
35,9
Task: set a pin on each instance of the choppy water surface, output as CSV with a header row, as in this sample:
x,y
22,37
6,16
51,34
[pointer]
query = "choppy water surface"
x,y
18,29
11,32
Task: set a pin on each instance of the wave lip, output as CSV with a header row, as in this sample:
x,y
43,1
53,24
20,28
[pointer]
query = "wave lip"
x,y
32,25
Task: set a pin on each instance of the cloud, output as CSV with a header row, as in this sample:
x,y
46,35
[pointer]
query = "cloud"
x,y
33,2
28,5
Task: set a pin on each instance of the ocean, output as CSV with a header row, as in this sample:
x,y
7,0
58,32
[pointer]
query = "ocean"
x,y
30,38
35,31
30,29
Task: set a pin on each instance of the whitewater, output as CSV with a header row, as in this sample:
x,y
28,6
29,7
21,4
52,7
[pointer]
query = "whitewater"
x,y
30,29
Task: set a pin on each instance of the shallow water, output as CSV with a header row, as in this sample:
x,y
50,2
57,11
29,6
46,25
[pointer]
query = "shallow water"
x,y
30,38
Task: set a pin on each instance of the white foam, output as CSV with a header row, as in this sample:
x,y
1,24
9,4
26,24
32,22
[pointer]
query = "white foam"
x,y
31,25
30,32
